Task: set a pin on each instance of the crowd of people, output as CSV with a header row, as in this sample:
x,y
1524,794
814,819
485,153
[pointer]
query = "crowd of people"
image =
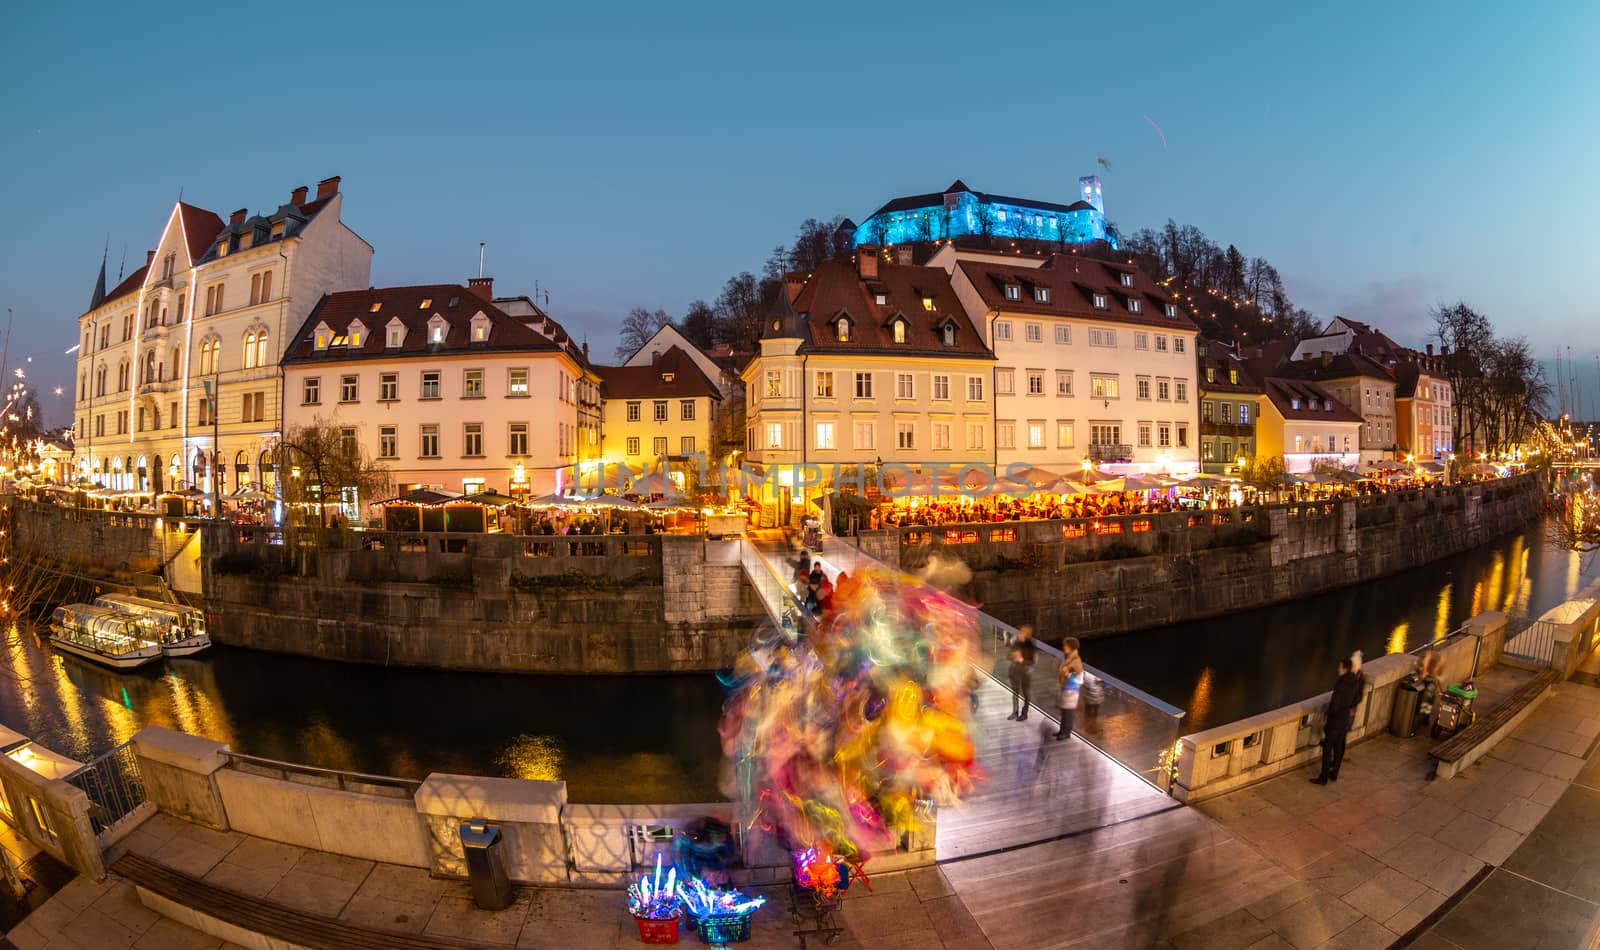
x,y
936,513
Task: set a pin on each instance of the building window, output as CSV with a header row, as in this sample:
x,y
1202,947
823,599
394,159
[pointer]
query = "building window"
x,y
633,445
1172,311
774,435
904,386
214,299
1100,337
1005,434
941,436
518,443
774,383
634,407
1002,330
1161,343
348,388
974,389
1205,412
686,410
388,387
1063,382
1035,433
429,447
824,384
430,384
1177,344
948,334
1100,301
1164,390
1144,435
841,330
1013,291
1141,341
472,439
1036,382
517,384
825,435
395,335
472,384
1205,450
254,408
1141,388
905,435
941,388
1064,434
659,410
899,331
311,391
1041,295
1063,334
1164,436
974,435
1103,387
1180,390
686,445
880,298
1183,437
1134,305
1127,279
388,442
1004,382
863,385
866,436
1033,332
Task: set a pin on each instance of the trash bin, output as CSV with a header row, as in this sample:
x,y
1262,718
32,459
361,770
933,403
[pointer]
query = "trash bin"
x,y
1407,700
486,866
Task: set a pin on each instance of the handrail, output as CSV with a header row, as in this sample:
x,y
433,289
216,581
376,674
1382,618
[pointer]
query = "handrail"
x,y
1009,633
342,776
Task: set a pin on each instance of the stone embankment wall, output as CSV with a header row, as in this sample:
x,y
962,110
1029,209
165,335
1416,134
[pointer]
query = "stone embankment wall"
x,y
1114,575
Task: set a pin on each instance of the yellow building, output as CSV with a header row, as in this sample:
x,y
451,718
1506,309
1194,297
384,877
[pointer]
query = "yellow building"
x,y
1302,422
660,416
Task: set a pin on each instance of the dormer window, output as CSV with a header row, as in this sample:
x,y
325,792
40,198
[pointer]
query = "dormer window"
x,y
426,303
1134,305
1211,374
842,329
949,334
1127,280
436,329
1172,310
1233,376
880,298
324,335
1100,301
1013,291
480,328
927,303
222,247
1327,405
668,377
1313,404
1041,295
356,333
1294,403
394,334
899,330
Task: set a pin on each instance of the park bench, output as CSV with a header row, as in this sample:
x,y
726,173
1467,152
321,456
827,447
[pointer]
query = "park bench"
x,y
260,916
1474,742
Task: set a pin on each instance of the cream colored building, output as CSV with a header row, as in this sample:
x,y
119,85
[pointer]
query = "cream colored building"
x,y
444,388
1303,422
1094,361
211,311
872,366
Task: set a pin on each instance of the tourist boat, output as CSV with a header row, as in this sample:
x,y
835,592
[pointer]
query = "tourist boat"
x,y
180,630
103,635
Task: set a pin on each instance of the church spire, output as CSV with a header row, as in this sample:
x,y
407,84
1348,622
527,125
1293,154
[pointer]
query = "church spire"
x,y
100,283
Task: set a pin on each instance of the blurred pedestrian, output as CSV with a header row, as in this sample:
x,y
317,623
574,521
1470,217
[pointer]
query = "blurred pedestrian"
x,y
1336,722
1022,654
1069,681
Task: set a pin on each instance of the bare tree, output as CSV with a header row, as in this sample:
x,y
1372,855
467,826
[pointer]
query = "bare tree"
x,y
637,329
319,462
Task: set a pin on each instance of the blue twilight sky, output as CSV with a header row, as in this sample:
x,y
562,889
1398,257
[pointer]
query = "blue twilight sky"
x,y
1383,156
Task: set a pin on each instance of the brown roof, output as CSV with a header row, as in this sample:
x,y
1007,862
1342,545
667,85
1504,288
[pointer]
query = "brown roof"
x,y
1338,366
687,380
1072,281
455,303
835,289
1215,356
200,229
1283,392
130,285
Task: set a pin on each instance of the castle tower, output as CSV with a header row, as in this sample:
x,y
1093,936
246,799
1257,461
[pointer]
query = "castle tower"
x,y
1089,190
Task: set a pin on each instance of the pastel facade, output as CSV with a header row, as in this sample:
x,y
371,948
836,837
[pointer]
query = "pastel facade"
x,y
211,311
1303,422
661,416
445,389
1230,408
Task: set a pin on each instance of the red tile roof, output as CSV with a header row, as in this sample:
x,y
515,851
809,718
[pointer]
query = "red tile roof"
x,y
130,285
455,303
835,289
1072,281
687,380
1283,392
200,229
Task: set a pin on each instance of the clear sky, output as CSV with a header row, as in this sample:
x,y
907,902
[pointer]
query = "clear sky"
x,y
1383,156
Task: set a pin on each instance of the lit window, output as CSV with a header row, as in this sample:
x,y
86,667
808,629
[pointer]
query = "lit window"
x,y
1041,295
426,303
1172,311
375,307
1127,280
1100,301
899,331
881,299
519,382
472,384
825,384
842,330
927,303
825,435
1133,305
1013,291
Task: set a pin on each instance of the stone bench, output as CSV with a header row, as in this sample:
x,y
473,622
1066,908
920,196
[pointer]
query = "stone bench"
x,y
1474,742
243,920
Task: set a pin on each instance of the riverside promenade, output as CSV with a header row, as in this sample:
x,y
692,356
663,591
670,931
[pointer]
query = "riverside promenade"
x,y
1500,856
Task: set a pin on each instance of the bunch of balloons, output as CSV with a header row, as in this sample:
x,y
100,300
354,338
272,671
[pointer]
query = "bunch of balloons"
x,y
836,735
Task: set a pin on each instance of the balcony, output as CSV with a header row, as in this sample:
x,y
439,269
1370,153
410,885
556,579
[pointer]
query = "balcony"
x,y
1107,452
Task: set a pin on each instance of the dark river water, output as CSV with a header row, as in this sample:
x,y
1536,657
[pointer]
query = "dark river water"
x,y
654,738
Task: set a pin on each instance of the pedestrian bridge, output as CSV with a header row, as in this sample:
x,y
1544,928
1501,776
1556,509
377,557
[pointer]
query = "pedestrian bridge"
x,y
1037,790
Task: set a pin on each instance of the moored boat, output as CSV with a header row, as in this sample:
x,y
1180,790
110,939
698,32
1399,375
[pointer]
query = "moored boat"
x,y
103,635
180,630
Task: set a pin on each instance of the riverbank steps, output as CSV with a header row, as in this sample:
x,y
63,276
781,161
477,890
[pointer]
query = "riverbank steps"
x,y
667,603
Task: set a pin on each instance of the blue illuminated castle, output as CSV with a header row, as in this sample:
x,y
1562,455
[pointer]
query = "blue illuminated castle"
x,y
959,212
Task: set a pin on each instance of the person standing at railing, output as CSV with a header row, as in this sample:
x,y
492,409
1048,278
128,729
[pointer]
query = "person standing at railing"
x,y
1023,653
1070,682
1336,724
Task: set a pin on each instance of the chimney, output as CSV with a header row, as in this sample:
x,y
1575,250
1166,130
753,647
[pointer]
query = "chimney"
x,y
298,196
1430,349
902,254
793,284
481,286
867,262
1327,357
327,186
238,216
149,258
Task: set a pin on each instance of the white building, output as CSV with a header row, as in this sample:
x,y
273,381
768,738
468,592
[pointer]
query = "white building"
x,y
444,388
1093,361
211,311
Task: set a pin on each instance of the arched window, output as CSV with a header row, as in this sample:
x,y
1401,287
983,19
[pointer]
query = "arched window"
x,y
261,348
150,374
208,356
265,467
842,329
122,375
949,334
177,362
250,350
83,386
100,382
899,331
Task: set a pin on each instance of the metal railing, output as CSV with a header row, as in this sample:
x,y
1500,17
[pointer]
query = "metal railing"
x,y
1110,452
1534,642
331,778
780,600
114,784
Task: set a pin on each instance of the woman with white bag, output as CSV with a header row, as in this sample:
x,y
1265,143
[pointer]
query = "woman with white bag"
x,y
1070,680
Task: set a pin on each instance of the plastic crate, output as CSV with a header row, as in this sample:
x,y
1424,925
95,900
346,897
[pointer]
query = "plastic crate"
x,y
723,928
657,931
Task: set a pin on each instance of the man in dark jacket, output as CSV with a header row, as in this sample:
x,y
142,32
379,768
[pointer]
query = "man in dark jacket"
x,y
1022,654
1341,713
